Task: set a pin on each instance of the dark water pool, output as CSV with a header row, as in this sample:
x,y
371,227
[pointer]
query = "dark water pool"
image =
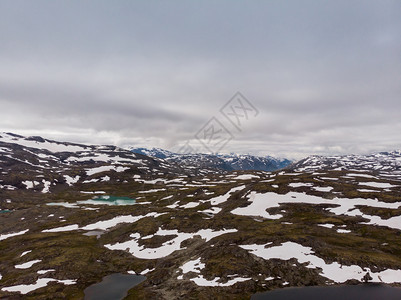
x,y
345,292
113,287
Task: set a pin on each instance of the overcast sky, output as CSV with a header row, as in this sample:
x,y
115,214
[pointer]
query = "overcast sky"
x,y
325,76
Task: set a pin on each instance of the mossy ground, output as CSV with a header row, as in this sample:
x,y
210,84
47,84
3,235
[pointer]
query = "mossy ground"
x,y
84,258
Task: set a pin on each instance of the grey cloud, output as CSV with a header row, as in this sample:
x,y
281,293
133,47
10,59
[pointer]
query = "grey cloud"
x,y
324,74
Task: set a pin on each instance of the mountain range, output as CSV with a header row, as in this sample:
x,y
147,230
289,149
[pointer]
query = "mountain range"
x,y
227,162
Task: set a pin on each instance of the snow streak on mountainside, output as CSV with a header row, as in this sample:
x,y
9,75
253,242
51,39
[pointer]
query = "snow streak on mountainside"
x,y
220,161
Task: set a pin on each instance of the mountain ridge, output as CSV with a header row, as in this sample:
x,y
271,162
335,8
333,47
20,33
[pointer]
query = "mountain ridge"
x,y
385,161
227,162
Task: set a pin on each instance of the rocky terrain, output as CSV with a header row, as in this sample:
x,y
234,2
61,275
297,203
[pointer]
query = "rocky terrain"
x,y
195,233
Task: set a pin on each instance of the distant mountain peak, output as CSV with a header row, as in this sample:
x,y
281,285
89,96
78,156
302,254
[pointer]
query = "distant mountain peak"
x,y
228,162
152,152
379,162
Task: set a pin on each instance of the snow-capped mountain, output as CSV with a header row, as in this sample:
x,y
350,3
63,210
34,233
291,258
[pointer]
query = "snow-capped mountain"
x,y
251,162
153,152
226,162
45,165
383,162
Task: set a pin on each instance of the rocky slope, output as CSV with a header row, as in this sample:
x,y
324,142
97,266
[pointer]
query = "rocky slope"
x,y
194,233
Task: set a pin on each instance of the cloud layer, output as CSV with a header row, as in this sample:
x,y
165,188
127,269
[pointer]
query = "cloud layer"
x,y
325,76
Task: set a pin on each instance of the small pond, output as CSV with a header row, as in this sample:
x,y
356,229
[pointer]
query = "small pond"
x,y
113,286
99,200
109,200
343,292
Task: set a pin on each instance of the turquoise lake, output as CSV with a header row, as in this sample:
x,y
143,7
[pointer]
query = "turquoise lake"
x,y
98,200
109,200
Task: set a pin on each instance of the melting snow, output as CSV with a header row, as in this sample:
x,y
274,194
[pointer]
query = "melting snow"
x,y
96,170
322,189
337,272
326,225
25,253
50,146
382,185
62,229
41,272
28,264
167,247
299,184
152,191
344,206
6,236
213,210
246,177
28,184
192,266
104,225
190,205
46,186
361,175
41,282
223,198
343,231
71,180
201,281
368,191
